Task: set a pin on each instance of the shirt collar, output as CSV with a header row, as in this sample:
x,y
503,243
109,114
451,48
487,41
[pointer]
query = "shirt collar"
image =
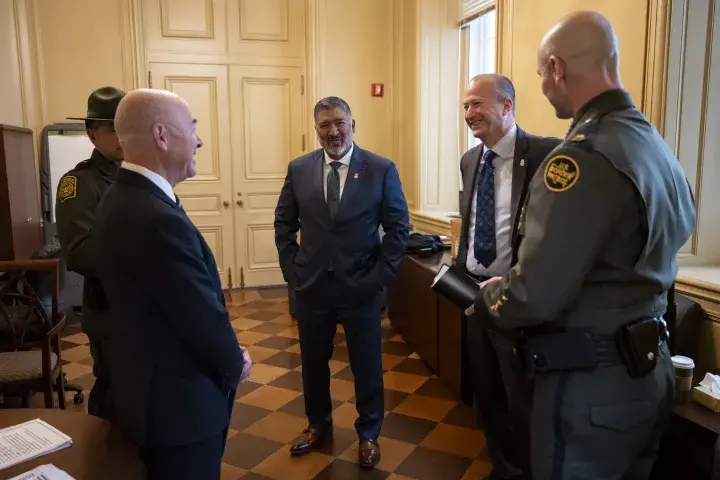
x,y
345,160
608,101
505,148
156,178
106,166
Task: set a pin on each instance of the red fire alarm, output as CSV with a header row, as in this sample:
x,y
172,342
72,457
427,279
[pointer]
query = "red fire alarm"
x,y
378,89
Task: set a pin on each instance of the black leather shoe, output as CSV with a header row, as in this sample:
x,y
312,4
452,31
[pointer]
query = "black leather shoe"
x,y
311,439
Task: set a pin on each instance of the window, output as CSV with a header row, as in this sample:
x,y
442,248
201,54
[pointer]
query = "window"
x,y
478,47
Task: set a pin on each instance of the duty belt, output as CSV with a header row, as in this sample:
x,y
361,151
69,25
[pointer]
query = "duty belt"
x,y
580,350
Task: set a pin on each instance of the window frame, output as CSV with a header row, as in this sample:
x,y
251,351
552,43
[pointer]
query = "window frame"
x,y
465,51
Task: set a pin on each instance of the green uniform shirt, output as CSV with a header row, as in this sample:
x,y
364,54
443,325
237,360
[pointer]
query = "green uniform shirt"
x,y
78,196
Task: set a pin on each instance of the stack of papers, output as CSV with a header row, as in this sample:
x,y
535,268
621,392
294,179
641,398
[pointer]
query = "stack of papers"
x,y
44,472
29,440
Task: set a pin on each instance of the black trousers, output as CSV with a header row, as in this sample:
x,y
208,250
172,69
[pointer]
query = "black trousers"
x,y
503,399
196,461
96,326
317,322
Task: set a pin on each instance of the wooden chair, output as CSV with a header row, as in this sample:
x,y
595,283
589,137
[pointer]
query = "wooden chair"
x,y
30,359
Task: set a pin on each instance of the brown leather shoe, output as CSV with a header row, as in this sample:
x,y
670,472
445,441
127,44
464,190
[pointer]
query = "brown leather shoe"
x,y
368,453
311,439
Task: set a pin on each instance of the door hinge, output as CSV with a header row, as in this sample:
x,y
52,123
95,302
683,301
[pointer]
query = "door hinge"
x,y
303,143
302,84
149,79
242,278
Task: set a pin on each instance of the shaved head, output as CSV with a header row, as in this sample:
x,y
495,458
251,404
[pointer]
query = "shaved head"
x,y
578,58
156,130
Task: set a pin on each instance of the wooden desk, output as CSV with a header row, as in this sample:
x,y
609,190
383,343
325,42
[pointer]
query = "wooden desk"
x,y
690,444
97,450
433,327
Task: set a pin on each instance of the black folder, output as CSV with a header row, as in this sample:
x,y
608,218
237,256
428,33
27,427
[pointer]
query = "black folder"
x,y
456,286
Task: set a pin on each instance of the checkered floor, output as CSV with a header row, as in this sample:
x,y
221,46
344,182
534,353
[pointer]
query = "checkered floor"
x,y
426,434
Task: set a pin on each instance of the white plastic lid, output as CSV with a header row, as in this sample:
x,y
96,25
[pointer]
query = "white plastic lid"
x,y
683,362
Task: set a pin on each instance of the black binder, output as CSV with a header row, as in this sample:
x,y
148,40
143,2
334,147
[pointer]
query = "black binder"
x,y
456,286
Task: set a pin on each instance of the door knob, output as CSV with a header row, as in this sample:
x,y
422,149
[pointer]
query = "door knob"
x,y
226,204
239,203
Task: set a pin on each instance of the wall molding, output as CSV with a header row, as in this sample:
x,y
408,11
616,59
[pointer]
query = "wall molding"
x,y
657,49
705,293
505,10
429,224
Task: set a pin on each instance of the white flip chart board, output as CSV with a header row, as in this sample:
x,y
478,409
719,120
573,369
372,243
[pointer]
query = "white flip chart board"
x,y
66,148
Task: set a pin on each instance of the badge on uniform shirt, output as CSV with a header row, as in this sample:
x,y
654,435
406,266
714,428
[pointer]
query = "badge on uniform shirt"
x,y
68,188
561,173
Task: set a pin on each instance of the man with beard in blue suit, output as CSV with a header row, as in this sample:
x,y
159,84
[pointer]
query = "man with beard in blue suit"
x,y
337,197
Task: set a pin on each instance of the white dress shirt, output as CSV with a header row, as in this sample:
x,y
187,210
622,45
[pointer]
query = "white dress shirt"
x,y
503,162
342,171
157,179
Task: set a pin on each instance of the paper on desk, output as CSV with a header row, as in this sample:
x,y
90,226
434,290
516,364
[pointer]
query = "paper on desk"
x,y
44,472
712,383
29,440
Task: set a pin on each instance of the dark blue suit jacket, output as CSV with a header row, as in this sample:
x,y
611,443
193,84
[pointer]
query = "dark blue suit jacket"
x,y
175,360
350,245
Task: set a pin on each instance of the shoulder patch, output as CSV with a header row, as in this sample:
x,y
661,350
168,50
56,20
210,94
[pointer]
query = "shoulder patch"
x,y
67,188
561,173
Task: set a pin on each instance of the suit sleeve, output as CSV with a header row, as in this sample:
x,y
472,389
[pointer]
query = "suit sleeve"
x,y
287,224
569,216
395,220
75,210
181,284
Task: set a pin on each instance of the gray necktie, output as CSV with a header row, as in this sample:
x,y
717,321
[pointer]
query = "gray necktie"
x,y
333,189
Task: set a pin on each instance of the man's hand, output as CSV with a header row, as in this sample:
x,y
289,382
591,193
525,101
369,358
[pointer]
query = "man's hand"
x,y
247,367
471,308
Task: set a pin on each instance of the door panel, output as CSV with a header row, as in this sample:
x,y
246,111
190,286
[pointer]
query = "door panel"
x,y
267,28
267,118
206,197
185,26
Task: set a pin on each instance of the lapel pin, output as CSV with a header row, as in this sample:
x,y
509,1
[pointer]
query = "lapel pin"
x,y
522,162
355,176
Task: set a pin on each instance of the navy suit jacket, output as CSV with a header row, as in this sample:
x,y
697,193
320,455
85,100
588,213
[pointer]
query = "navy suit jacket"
x,y
175,361
350,244
530,151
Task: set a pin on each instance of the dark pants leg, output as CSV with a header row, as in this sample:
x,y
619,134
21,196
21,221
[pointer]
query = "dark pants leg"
x,y
190,462
95,326
317,325
491,401
364,338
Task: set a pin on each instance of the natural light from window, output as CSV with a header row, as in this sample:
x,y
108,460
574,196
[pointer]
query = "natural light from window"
x,y
481,53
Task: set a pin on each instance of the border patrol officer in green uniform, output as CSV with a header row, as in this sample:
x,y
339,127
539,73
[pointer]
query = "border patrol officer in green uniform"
x,y
78,196
606,215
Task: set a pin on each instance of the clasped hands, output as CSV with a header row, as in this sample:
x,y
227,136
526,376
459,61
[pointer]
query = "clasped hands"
x,y
471,309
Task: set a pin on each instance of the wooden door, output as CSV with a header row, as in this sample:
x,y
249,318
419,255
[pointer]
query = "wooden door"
x,y
207,196
268,130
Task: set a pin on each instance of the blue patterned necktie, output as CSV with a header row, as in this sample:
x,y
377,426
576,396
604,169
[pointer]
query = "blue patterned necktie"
x,y
485,251
333,189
